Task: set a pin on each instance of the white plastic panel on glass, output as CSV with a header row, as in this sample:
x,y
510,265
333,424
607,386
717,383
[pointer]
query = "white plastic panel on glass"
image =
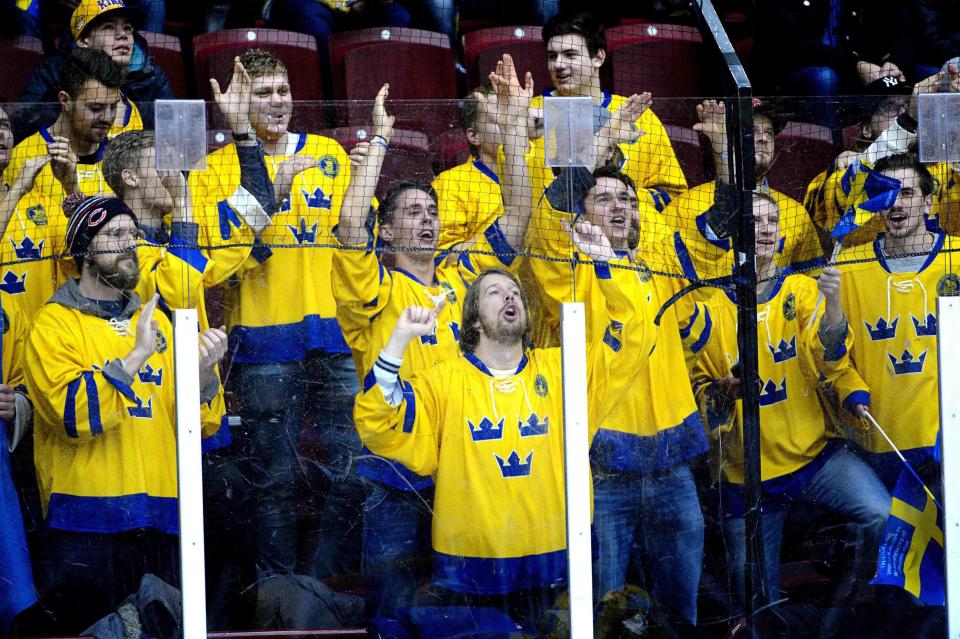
x,y
568,131
181,129
938,117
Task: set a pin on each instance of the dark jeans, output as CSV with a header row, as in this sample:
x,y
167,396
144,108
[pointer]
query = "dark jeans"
x,y
85,576
660,514
277,400
845,485
396,547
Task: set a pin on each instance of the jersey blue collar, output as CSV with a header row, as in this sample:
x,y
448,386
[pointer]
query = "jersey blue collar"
x,y
486,170
480,366
45,134
934,251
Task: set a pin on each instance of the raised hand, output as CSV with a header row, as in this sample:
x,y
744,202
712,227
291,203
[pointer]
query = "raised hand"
x,y
234,103
513,100
287,171
382,121
621,126
8,405
713,123
357,154
590,240
63,163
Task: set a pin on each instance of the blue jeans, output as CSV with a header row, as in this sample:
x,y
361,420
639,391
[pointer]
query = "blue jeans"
x,y
85,576
846,485
659,513
276,400
396,547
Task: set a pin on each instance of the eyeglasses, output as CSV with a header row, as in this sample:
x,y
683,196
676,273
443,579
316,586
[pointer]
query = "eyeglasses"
x,y
124,235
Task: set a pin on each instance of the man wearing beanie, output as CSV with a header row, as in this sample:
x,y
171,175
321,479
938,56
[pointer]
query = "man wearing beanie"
x,y
101,367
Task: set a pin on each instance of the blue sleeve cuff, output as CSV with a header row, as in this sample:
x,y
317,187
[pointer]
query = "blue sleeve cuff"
x,y
501,247
118,378
602,270
856,397
183,245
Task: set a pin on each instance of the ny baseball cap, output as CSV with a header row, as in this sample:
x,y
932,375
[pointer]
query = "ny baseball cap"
x,y
88,11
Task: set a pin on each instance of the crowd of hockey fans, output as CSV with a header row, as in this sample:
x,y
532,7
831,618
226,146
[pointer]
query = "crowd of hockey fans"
x,y
380,369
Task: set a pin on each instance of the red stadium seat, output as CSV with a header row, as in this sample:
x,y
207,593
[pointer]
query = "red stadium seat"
x,y
20,55
482,49
803,150
665,59
686,146
168,55
409,158
213,55
341,43
416,73
451,149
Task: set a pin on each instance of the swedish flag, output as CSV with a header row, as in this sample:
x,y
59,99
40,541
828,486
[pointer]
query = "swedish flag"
x,y
911,550
870,193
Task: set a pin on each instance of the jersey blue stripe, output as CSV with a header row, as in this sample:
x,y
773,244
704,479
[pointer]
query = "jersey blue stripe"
x,y
618,450
70,408
113,514
93,404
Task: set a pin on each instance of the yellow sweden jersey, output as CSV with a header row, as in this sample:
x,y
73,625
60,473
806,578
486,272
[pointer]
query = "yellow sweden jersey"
x,y
267,323
105,451
791,359
37,228
705,257
371,297
894,355
650,161
657,425
495,445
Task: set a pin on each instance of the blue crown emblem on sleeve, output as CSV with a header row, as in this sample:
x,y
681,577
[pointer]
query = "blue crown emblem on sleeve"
x,y
27,250
150,376
302,234
140,411
907,365
784,351
486,431
881,330
534,426
13,284
772,394
317,200
513,467
925,329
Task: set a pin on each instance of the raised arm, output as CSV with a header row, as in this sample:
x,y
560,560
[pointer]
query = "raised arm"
x,y
363,181
397,418
512,104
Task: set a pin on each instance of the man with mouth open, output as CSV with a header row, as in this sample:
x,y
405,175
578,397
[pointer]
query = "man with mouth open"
x,y
644,491
891,303
290,360
110,26
370,298
488,427
99,366
74,144
576,50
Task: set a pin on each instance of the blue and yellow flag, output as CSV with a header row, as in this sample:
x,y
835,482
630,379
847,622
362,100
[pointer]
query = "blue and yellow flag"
x,y
911,550
869,193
